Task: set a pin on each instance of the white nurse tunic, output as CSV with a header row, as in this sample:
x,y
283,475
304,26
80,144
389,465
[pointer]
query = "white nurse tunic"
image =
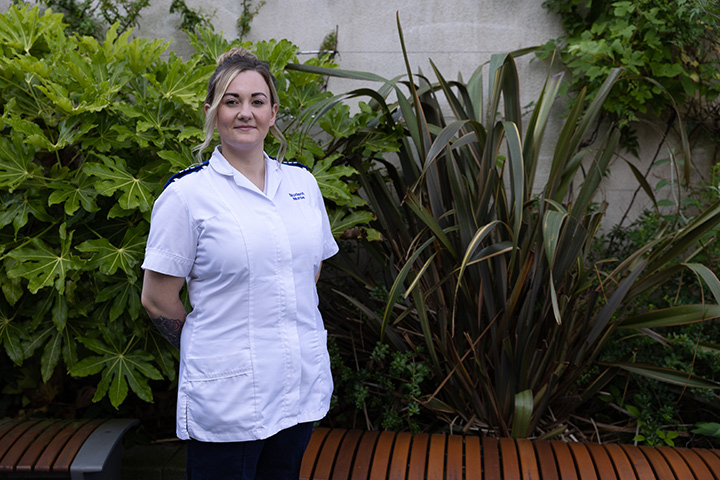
x,y
254,356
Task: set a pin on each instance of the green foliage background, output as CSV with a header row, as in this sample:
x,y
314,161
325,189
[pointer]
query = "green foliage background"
x,y
669,49
90,132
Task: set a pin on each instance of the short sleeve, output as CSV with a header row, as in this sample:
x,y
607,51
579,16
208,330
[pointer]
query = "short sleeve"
x,y
330,246
172,242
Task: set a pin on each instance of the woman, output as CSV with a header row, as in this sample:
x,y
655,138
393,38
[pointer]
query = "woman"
x,y
248,235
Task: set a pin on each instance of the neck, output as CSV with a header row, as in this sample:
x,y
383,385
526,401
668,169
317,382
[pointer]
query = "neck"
x,y
250,164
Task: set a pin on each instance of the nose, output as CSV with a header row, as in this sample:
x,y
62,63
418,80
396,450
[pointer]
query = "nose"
x,y
244,112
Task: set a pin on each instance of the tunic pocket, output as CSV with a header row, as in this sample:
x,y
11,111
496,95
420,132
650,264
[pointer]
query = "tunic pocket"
x,y
220,397
216,367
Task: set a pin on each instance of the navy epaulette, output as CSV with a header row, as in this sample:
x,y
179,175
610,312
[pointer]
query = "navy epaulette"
x,y
297,164
188,170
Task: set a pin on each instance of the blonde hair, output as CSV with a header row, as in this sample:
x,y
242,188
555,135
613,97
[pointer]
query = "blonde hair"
x,y
229,65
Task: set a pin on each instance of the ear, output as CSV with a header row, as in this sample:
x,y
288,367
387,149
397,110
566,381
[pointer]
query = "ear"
x,y
206,107
275,110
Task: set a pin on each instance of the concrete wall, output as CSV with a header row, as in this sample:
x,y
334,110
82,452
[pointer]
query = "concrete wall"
x,y
458,35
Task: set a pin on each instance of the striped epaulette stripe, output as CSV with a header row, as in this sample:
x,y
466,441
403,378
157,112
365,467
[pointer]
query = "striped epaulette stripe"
x,y
297,164
187,171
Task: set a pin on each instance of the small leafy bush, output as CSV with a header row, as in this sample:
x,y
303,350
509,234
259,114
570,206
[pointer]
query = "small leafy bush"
x,y
667,45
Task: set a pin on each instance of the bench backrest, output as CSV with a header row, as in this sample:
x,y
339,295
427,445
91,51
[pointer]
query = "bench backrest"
x,y
355,454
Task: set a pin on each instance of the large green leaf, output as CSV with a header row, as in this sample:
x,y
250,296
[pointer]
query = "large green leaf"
x,y
136,192
120,366
22,27
42,265
11,336
16,161
74,193
182,82
107,258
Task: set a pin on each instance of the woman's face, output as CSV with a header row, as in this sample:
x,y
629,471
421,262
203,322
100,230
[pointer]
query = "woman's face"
x,y
245,113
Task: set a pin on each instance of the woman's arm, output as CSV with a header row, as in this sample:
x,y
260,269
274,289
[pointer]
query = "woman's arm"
x,y
161,299
317,275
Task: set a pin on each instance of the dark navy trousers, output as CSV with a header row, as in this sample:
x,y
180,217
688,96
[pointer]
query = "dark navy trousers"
x,y
275,458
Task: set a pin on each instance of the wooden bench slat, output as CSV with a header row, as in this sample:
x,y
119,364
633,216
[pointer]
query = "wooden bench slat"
x,y
676,462
603,466
696,463
509,459
583,460
454,463
53,449
381,457
418,456
364,455
21,443
32,454
619,458
5,427
339,454
639,461
528,462
712,461
546,460
473,458
491,458
15,431
400,455
565,461
320,453
436,457
346,455
659,465
71,448
311,453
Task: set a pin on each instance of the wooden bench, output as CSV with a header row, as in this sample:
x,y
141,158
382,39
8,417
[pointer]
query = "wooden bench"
x,y
75,449
354,454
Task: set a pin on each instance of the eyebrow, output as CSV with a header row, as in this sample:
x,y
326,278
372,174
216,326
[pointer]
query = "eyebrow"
x,y
256,94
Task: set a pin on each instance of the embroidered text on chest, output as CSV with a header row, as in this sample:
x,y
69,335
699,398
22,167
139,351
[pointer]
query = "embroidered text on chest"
x,y
298,196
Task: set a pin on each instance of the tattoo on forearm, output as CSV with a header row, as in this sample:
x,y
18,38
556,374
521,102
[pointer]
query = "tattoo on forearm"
x,y
169,328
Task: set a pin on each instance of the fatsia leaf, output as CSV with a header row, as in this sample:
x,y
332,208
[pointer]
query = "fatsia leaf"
x,y
340,221
108,258
183,82
17,209
11,337
42,266
16,161
114,175
125,296
20,28
51,355
163,355
120,367
330,181
74,193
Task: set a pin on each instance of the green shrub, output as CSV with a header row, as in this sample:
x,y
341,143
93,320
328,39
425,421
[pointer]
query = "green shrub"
x,y
90,131
489,263
667,47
